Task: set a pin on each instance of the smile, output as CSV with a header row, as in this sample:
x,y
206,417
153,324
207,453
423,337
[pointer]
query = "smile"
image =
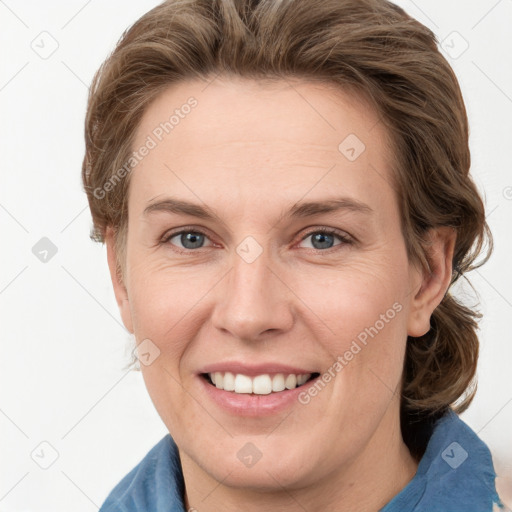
x,y
263,384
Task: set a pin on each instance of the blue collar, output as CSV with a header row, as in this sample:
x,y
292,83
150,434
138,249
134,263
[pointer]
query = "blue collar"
x,y
455,474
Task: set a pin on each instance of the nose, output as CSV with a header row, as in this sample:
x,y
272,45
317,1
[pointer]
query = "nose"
x,y
253,300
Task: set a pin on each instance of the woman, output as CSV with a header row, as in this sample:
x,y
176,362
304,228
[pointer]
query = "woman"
x,y
283,188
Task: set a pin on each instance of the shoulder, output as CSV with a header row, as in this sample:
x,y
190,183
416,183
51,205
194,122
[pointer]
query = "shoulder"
x,y
456,473
155,483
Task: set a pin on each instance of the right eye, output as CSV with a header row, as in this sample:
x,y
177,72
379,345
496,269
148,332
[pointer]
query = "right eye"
x,y
189,239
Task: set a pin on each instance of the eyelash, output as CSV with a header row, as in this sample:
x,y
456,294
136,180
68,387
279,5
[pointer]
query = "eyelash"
x,y
344,239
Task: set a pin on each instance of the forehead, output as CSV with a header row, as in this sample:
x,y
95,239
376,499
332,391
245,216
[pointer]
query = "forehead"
x,y
238,138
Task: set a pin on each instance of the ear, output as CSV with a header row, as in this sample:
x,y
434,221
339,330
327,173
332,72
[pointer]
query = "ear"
x,y
431,288
120,290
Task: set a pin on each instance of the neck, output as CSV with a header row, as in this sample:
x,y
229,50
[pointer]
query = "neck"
x,y
369,482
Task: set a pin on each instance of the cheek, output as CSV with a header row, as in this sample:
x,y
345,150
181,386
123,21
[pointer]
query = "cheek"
x,y
166,393
163,304
162,301
351,300
364,317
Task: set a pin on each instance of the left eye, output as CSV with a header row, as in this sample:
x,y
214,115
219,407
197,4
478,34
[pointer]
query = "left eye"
x,y
323,239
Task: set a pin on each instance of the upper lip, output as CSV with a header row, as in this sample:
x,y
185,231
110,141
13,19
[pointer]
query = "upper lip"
x,y
253,369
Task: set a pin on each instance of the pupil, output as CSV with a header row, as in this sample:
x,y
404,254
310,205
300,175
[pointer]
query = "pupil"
x,y
194,238
322,237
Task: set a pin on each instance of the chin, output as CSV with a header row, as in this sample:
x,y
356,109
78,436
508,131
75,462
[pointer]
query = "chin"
x,y
241,464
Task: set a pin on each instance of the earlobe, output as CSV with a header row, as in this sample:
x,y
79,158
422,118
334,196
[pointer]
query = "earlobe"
x,y
434,283
120,290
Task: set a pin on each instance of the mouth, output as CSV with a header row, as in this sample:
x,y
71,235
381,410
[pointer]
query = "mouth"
x,y
264,384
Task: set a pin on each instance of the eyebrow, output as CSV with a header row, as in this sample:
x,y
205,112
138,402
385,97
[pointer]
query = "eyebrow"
x,y
298,210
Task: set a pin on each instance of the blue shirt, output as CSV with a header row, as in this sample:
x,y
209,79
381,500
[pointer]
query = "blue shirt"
x,y
455,474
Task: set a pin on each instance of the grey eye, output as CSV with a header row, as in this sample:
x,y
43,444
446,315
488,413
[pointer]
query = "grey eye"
x,y
190,239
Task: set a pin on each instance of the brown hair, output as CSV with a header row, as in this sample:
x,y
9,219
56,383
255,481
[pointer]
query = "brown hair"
x,y
370,46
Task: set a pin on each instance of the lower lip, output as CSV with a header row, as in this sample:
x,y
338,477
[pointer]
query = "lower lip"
x,y
242,404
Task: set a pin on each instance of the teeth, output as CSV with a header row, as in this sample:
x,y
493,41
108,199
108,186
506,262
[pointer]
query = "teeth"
x,y
278,382
229,382
301,379
262,385
243,384
291,382
259,385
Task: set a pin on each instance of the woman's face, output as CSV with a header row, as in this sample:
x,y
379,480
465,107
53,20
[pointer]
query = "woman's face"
x,y
228,271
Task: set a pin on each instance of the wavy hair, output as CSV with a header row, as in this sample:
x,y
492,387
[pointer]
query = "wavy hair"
x,y
369,46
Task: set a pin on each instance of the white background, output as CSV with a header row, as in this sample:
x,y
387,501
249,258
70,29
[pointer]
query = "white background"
x,y
63,347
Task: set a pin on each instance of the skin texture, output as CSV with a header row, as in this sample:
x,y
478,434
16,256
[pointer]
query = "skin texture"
x,y
250,151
